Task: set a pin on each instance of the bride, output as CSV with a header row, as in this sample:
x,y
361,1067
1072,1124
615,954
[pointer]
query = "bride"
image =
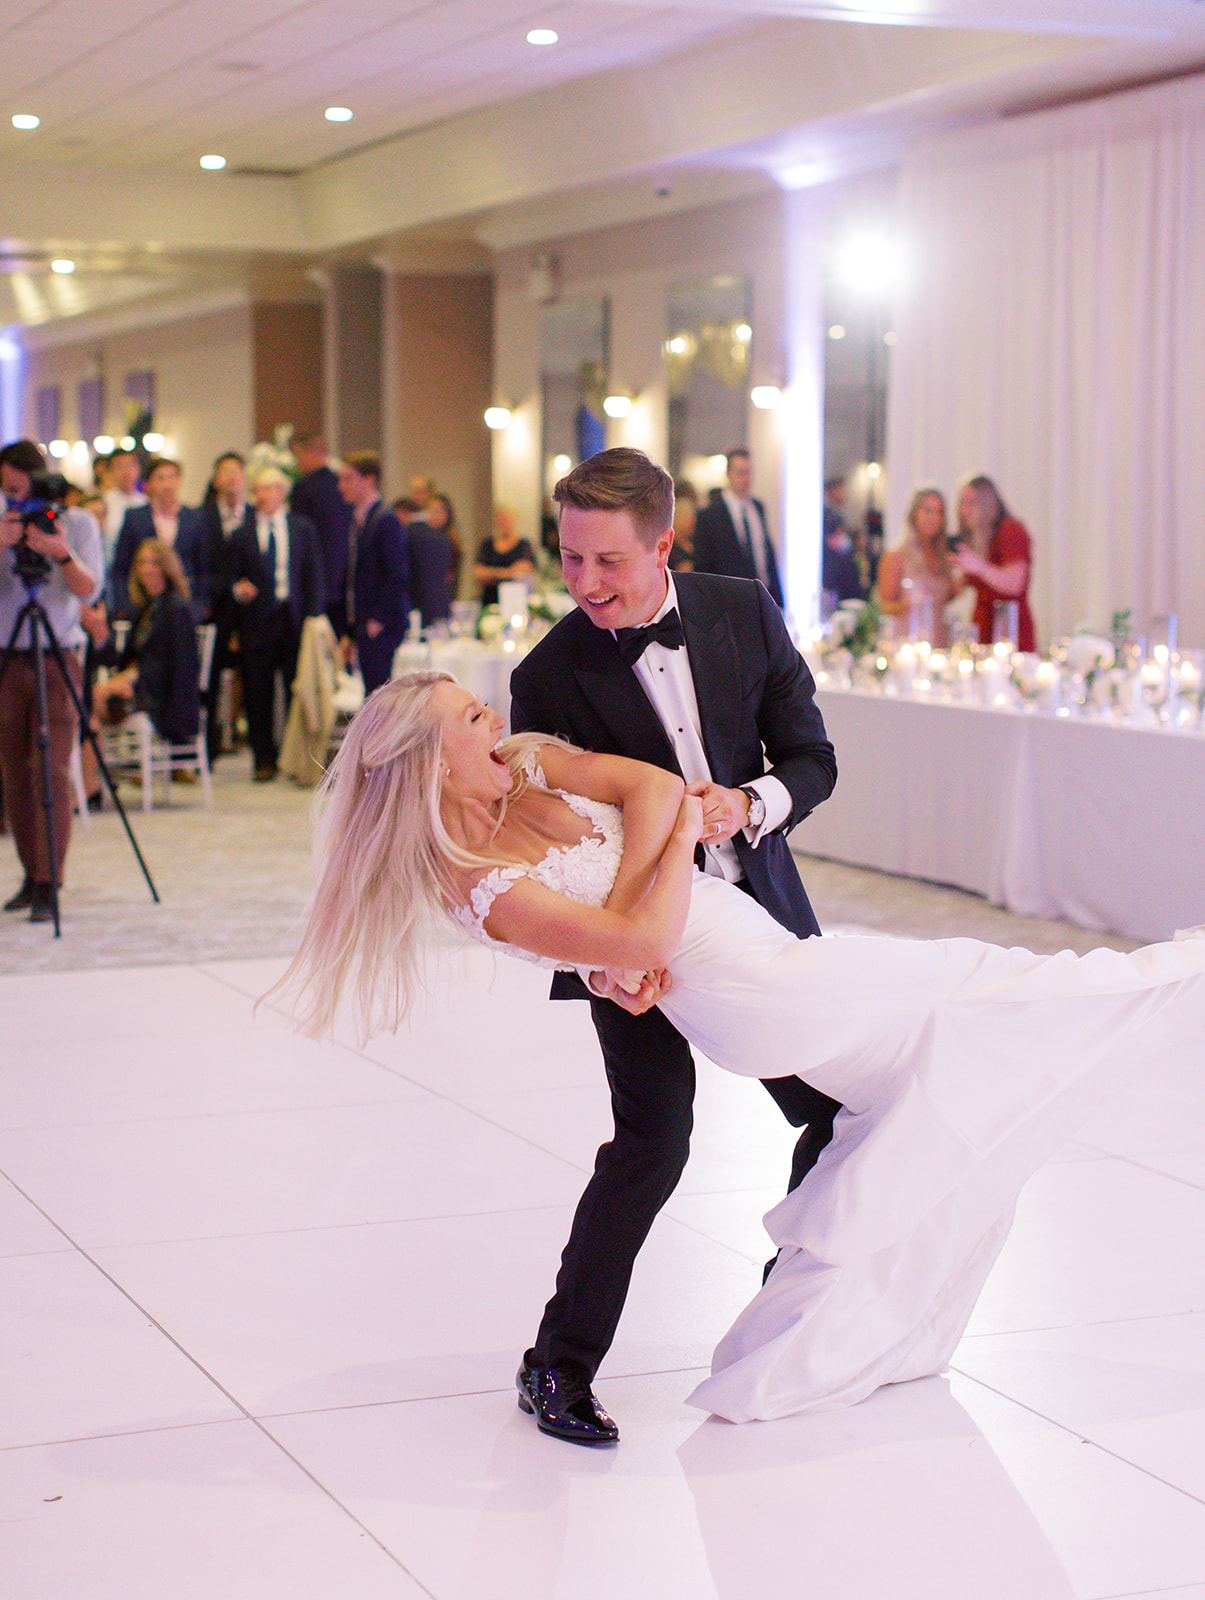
x,y
960,1066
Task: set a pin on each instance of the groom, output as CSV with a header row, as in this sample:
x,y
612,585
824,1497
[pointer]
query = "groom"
x,y
696,674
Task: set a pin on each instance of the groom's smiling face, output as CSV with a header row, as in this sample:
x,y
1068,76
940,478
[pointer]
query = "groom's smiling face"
x,y
616,579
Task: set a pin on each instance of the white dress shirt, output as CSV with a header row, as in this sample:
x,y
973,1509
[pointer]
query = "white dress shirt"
x,y
666,679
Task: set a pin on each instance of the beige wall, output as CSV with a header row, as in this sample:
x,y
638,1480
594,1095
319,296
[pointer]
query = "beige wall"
x,y
634,265
203,368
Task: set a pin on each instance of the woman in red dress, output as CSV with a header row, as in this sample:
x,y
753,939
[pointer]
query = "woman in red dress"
x,y
995,556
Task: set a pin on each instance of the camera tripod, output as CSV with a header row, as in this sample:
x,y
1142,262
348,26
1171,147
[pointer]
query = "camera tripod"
x,y
34,613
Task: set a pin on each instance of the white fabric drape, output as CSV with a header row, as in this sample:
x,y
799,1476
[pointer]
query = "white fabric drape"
x,y
1052,334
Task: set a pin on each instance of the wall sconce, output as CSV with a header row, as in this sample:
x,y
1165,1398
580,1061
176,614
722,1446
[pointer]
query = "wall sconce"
x,y
765,396
618,405
497,417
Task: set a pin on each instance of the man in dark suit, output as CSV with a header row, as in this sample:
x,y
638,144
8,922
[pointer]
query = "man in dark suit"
x,y
732,535
226,510
378,571
696,674
278,583
316,496
177,525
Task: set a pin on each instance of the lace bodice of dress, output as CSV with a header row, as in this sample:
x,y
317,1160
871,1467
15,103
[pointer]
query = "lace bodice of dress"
x,y
584,871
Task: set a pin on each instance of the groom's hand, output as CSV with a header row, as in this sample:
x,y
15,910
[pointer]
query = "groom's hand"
x,y
725,811
635,993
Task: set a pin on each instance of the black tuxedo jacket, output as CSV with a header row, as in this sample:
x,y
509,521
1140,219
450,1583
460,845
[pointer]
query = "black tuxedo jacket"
x,y
191,546
222,563
720,549
756,704
307,590
317,497
382,577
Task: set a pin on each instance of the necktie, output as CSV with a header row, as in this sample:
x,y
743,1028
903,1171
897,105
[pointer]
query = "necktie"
x,y
632,642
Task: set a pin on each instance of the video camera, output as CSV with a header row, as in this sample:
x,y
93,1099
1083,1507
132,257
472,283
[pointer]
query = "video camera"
x,y
47,497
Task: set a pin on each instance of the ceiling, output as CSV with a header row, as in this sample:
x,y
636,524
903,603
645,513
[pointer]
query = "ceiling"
x,y
465,138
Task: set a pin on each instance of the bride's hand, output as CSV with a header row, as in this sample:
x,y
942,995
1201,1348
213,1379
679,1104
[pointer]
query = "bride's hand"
x,y
690,824
617,985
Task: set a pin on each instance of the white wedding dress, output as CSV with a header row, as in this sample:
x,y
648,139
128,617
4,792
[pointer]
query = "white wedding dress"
x,y
960,1066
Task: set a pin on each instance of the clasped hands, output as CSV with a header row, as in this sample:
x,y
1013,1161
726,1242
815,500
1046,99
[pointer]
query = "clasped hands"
x,y
722,812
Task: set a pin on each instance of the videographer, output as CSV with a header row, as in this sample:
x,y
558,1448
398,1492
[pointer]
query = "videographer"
x,y
68,573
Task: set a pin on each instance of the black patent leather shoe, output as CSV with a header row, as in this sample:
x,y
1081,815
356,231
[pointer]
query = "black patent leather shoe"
x,y
563,1404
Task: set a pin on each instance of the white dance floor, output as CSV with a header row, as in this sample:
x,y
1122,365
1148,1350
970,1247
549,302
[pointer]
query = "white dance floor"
x,y
262,1302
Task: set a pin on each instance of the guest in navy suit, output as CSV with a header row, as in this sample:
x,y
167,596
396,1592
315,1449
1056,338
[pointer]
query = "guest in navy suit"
x,y
316,496
278,584
226,509
378,571
732,536
180,527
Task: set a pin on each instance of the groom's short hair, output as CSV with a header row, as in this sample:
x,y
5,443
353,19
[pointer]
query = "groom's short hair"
x,y
622,480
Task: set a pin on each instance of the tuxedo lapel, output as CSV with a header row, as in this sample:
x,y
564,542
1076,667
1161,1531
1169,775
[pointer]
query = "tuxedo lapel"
x,y
716,670
614,692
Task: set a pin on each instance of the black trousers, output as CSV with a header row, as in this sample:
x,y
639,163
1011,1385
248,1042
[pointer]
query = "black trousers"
x,y
272,648
652,1077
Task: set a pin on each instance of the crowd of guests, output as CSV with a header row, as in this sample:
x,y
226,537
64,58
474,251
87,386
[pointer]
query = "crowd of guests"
x,y
261,554
988,558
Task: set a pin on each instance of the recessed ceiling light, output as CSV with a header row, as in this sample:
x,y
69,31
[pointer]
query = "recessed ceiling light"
x,y
213,163
337,114
541,36
24,121
62,265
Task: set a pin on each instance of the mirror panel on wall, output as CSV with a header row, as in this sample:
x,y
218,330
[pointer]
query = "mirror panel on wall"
x,y
708,336
574,363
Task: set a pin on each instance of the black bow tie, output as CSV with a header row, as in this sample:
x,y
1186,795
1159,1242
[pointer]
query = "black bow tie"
x,y
632,642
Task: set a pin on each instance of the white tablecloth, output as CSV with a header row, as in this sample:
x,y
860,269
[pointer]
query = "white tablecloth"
x,y
485,669
1050,817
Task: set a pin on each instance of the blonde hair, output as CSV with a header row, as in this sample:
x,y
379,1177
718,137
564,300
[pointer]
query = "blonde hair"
x,y
385,860
169,565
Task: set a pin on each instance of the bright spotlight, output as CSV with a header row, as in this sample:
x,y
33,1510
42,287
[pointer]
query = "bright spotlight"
x,y
497,417
870,263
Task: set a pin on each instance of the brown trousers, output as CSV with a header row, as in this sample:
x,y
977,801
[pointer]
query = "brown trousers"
x,y
21,760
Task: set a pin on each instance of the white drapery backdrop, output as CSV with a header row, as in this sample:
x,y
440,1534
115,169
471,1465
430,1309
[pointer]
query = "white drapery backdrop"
x,y
1051,333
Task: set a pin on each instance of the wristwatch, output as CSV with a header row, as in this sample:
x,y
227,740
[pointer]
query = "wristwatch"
x,y
757,807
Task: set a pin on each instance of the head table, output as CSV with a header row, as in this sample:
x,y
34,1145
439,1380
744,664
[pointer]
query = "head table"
x,y
1047,815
